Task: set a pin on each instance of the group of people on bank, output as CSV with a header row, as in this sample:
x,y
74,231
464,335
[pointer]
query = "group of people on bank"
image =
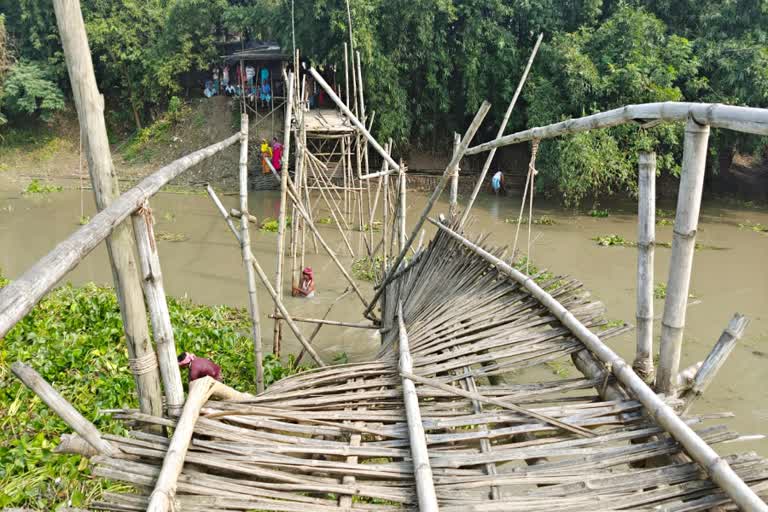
x,y
254,85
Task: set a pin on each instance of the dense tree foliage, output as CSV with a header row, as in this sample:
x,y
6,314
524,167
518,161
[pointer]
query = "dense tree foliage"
x,y
430,63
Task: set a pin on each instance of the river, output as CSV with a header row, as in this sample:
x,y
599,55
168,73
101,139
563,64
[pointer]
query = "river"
x,y
204,264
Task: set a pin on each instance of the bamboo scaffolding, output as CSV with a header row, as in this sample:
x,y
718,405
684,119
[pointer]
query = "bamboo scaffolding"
x,y
154,293
482,111
646,217
716,115
502,127
717,468
683,247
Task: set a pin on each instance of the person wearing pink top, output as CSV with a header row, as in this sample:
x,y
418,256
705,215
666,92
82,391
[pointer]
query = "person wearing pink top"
x,y
277,154
199,367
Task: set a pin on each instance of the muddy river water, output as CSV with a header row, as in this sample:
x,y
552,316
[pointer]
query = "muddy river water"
x,y
205,265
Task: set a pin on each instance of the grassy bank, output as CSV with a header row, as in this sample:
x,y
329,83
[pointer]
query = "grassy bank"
x,y
74,338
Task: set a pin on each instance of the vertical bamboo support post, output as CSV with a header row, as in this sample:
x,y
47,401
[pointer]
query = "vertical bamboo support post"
x,y
681,261
154,292
277,334
646,217
454,198
346,73
120,245
425,487
385,223
403,207
245,246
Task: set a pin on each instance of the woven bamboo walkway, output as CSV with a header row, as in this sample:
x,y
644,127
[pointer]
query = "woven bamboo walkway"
x,y
337,438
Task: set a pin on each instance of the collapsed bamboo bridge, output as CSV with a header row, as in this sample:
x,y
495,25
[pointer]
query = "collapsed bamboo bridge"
x,y
445,416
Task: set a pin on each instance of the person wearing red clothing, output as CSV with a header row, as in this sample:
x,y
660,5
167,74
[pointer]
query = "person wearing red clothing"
x,y
199,367
277,154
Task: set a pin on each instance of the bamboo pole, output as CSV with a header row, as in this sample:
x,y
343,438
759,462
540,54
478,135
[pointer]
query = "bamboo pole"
x,y
21,295
425,486
482,111
402,209
277,332
683,247
363,117
740,119
646,217
323,321
265,281
346,72
717,468
716,358
245,248
385,223
507,115
64,409
355,121
237,214
154,293
120,244
453,206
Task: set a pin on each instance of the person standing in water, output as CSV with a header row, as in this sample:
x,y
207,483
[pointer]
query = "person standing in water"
x,y
497,183
306,286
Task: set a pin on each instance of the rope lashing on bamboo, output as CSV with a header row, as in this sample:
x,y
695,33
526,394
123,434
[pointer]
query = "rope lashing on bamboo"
x,y
143,364
146,212
528,180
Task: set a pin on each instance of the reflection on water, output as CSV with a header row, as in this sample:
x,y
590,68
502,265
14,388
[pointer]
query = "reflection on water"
x,y
207,268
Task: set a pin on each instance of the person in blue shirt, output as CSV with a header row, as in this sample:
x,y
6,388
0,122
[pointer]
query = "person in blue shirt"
x,y
497,183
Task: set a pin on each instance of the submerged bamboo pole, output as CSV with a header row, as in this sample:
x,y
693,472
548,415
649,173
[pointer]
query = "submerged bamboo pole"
x,y
482,111
646,218
245,248
154,293
422,471
716,115
502,127
683,247
64,409
120,244
277,334
717,468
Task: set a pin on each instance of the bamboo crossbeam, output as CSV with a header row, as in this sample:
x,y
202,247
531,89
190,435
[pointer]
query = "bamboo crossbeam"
x,y
502,128
425,486
450,168
646,217
21,295
64,409
717,468
716,115
329,322
354,120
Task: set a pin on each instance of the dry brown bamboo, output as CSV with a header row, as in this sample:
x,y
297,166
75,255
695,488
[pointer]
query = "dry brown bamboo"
x,y
681,260
154,293
425,486
478,119
502,127
740,119
64,409
646,217
717,468
247,255
120,244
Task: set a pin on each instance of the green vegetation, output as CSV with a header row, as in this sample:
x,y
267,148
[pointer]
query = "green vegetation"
x,y
613,240
375,226
561,368
167,236
544,220
139,148
37,187
74,338
595,212
324,220
367,269
754,226
84,220
270,224
660,292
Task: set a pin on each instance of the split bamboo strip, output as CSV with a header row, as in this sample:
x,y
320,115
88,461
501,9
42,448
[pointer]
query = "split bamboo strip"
x,y
277,332
154,293
646,218
425,487
330,322
740,119
717,468
683,248
245,249
120,243
470,133
507,115
64,409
